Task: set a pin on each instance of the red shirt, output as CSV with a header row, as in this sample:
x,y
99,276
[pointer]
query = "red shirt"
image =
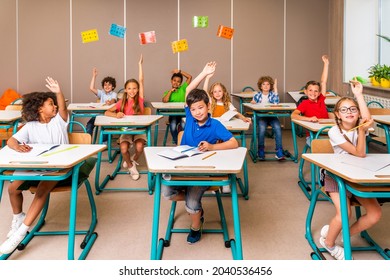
x,y
317,109
128,110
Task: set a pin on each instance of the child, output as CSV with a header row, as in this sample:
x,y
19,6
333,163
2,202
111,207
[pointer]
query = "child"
x,y
107,95
176,94
268,94
132,103
314,108
47,119
205,133
353,142
219,104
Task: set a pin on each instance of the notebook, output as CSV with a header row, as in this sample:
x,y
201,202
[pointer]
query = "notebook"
x,y
180,152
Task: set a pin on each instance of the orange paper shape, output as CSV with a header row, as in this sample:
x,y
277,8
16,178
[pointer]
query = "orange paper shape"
x,y
147,37
89,36
179,46
225,32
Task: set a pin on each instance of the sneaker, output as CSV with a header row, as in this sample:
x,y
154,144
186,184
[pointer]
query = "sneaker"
x,y
226,189
279,154
261,154
134,174
337,251
124,164
324,231
16,223
11,243
133,161
195,235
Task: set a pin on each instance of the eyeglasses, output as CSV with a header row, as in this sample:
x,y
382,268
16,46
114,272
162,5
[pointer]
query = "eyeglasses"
x,y
352,109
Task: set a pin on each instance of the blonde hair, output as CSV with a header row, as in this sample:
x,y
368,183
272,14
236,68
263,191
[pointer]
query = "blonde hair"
x,y
225,98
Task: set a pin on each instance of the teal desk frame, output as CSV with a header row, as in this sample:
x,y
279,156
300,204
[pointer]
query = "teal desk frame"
x,y
9,119
90,235
268,111
158,166
383,122
343,187
243,97
115,129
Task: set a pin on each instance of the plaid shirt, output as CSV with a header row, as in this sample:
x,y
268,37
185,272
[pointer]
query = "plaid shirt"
x,y
273,97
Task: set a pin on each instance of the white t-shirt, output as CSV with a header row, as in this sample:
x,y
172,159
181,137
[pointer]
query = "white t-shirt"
x,y
53,132
336,138
231,106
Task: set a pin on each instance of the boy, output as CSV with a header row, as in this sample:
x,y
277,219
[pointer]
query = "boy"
x,y
207,134
176,94
314,108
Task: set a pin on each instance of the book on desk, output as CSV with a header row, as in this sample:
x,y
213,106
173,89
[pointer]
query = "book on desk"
x,y
180,152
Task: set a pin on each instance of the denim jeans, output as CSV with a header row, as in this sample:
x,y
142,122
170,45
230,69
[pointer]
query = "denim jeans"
x,y
91,125
275,124
193,195
173,122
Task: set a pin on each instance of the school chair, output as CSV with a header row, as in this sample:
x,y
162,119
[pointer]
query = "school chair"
x,y
5,134
65,186
223,229
324,146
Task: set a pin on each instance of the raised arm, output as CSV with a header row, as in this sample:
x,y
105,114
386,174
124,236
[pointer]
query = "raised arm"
x,y
208,69
324,76
53,86
141,77
276,85
186,75
93,81
206,84
357,89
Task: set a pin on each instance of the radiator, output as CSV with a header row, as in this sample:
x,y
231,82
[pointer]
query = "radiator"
x,y
385,103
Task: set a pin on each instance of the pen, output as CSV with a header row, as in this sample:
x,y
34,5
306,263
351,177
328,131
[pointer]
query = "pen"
x,y
209,155
352,129
192,148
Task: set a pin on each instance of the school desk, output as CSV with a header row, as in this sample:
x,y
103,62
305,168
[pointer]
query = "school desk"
x,y
315,129
10,119
384,123
167,109
133,125
238,127
224,162
60,163
356,170
244,97
269,110
87,110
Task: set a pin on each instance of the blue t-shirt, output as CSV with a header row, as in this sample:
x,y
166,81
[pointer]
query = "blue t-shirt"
x,y
212,131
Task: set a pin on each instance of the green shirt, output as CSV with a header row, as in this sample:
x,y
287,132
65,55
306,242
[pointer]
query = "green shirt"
x,y
178,95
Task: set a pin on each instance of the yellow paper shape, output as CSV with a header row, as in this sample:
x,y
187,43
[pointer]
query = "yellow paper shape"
x,y
225,32
179,46
89,36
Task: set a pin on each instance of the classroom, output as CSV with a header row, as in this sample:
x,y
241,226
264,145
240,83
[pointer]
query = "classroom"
x,y
284,39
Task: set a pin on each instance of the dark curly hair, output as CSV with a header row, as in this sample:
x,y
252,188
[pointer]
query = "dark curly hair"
x,y
109,80
32,102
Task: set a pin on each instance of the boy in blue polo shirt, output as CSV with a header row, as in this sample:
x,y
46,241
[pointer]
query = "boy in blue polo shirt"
x,y
207,134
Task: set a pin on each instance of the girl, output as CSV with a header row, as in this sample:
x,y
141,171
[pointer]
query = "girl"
x,y
132,103
47,119
268,94
353,142
219,104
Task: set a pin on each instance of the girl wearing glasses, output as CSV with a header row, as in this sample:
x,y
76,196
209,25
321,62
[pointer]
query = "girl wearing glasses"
x,y
346,137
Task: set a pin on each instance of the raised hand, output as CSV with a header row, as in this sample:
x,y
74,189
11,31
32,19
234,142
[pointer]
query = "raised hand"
x,y
53,85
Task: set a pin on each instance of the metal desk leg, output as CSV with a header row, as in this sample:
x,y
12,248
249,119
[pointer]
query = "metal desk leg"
x,y
156,217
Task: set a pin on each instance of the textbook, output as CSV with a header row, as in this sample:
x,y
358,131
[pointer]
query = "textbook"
x,y
180,152
327,121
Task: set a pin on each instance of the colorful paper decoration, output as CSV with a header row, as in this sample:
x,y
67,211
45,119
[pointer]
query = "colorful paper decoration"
x,y
179,46
89,36
117,30
147,37
225,32
200,21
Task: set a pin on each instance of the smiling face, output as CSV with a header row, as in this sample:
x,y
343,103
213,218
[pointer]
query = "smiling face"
x,y
131,89
265,87
199,110
48,110
218,92
176,82
347,112
107,87
312,92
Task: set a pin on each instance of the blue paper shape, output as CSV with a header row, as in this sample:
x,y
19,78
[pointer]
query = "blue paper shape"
x,y
117,30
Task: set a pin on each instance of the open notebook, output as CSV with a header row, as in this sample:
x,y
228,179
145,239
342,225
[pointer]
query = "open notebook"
x,y
180,152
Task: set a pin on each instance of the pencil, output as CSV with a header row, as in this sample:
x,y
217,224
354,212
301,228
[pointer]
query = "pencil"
x,y
352,129
209,155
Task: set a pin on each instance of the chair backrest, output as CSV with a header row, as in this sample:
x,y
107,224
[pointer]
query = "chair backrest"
x,y
147,111
248,87
79,137
179,137
14,107
322,146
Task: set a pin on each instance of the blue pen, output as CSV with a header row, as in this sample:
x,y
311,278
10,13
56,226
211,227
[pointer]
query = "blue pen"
x,y
192,148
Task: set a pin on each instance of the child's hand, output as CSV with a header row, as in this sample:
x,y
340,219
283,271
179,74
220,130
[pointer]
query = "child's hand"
x,y
94,72
357,88
120,115
53,85
204,146
249,120
210,68
325,59
23,148
313,119
367,124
